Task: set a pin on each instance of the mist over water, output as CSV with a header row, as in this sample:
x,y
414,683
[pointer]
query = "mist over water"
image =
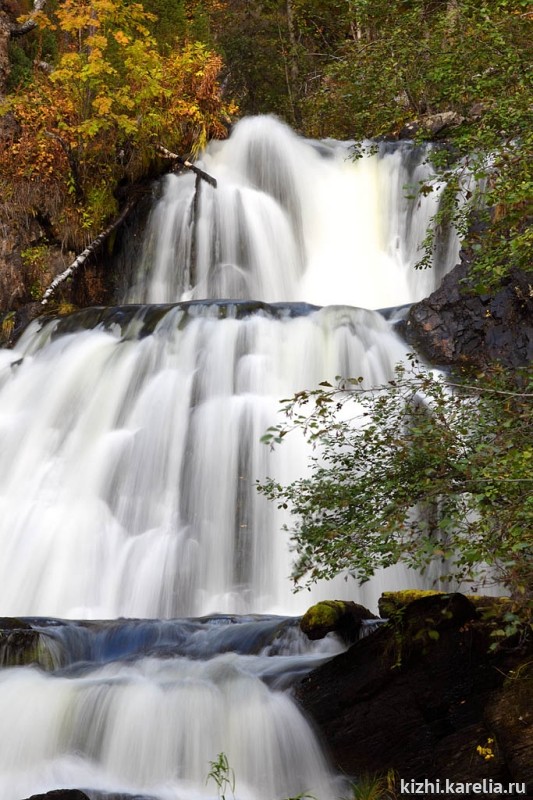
x,y
129,450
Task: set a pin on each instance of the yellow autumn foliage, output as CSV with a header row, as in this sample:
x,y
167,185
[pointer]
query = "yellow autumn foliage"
x,y
91,122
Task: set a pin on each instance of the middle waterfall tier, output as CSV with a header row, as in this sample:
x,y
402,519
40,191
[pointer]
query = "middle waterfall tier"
x,y
128,487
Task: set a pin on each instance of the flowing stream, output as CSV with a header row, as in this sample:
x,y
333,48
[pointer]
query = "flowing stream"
x,y
129,450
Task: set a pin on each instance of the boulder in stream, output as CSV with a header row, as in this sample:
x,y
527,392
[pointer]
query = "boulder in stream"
x,y
427,697
21,645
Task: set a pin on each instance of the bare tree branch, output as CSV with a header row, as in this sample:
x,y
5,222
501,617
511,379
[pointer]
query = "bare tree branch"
x,y
204,175
44,66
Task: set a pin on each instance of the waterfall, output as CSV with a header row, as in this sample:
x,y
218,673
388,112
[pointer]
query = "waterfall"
x,y
295,220
129,451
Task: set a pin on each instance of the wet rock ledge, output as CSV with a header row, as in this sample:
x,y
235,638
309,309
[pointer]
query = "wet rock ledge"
x,y
61,794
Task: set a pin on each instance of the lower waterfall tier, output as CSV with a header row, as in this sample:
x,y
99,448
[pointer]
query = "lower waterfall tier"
x,y
133,716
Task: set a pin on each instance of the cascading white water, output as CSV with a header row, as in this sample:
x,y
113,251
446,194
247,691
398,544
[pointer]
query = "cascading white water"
x,y
295,220
130,446
153,726
160,516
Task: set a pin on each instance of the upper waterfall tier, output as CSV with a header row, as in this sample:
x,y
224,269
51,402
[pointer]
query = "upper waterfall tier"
x,y
293,219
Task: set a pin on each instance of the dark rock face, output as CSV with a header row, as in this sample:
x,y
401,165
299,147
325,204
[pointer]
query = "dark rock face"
x,y
420,696
77,794
455,325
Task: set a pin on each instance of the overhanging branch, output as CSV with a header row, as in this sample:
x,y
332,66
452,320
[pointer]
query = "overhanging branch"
x,y
204,175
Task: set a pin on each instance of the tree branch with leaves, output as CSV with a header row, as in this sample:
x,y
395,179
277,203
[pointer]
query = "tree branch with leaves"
x,y
418,471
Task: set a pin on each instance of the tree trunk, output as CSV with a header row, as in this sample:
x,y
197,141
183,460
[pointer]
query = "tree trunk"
x,y
292,64
80,260
5,35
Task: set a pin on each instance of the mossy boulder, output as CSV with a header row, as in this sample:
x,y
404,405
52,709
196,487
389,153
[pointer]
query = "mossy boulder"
x,y
423,693
391,603
339,616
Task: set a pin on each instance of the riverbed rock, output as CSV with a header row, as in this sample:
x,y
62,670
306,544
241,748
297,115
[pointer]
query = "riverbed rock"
x,y
22,645
77,794
420,696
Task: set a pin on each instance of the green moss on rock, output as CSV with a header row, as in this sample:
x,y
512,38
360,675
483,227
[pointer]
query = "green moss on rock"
x,y
390,603
322,614
343,617
21,645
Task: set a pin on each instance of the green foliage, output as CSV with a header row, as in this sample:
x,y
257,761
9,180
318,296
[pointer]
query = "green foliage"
x,y
357,69
381,63
418,471
375,787
254,41
223,776
170,23
25,51
21,66
7,326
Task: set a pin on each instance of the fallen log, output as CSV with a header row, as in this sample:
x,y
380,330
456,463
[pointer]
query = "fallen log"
x,y
82,258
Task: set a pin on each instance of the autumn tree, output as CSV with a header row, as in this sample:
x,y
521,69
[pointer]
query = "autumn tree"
x,y
87,122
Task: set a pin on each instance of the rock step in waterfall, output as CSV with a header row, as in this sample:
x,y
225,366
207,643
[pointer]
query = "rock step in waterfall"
x,y
129,450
